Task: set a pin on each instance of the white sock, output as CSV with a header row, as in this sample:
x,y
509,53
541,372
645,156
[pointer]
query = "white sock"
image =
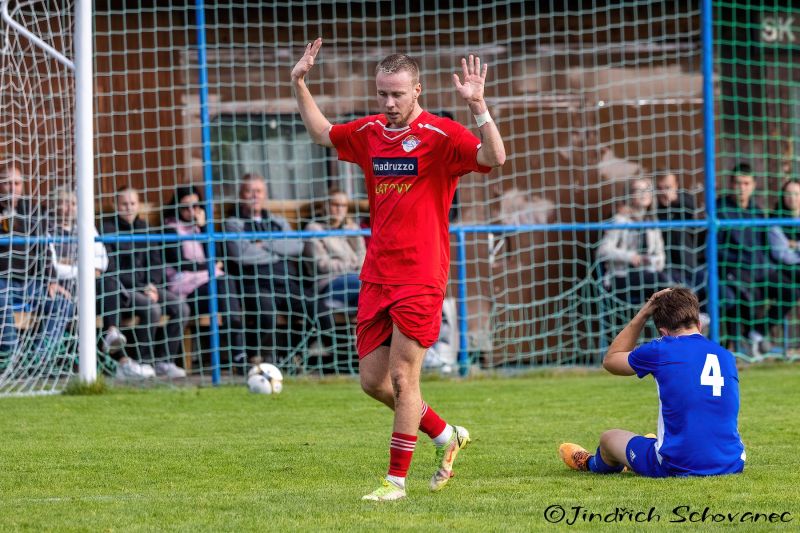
x,y
442,438
397,480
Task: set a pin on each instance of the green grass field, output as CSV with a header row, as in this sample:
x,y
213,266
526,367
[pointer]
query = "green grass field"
x,y
226,460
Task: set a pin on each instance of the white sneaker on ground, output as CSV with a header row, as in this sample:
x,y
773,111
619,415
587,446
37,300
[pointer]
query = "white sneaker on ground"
x,y
130,369
759,346
387,492
170,370
112,340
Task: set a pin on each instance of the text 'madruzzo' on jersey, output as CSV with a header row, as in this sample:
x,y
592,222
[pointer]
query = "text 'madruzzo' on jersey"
x,y
395,166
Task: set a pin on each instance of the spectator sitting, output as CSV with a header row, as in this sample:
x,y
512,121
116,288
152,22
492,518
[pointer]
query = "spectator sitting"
x,y
683,264
138,267
270,268
784,246
680,243
784,241
634,258
337,260
26,271
746,272
187,267
62,215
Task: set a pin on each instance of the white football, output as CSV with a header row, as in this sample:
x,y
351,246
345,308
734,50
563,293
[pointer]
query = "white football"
x,y
259,384
272,374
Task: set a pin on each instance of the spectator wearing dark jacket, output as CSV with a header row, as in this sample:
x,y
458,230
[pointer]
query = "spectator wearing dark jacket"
x,y
139,269
187,268
270,269
746,273
680,244
27,278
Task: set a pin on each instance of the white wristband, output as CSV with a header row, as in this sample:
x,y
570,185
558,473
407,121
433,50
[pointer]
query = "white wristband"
x,y
483,118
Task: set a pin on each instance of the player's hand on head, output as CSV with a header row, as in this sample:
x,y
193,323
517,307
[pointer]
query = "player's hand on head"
x,y
650,305
307,61
474,78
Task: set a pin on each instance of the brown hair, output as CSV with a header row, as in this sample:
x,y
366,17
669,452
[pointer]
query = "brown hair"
x,y
397,63
677,309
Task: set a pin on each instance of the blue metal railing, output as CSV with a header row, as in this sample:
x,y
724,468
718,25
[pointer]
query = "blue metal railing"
x,y
219,236
208,179
460,241
459,232
709,166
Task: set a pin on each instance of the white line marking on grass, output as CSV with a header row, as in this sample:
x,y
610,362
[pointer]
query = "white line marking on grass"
x,y
96,498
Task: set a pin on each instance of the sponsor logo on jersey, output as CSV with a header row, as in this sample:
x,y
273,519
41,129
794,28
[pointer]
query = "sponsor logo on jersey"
x,y
410,142
399,188
632,455
395,166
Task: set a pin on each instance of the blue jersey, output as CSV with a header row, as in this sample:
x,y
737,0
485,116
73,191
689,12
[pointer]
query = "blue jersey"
x,y
698,393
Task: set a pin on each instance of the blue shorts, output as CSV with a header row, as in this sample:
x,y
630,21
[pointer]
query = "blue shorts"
x,y
641,455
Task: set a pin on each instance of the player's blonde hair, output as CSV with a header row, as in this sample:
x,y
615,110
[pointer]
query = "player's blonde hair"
x,y
395,63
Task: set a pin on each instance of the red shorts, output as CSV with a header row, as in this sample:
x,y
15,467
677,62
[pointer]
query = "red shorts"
x,y
416,310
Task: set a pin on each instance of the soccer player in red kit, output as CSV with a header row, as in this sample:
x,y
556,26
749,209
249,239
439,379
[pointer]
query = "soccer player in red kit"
x,y
412,161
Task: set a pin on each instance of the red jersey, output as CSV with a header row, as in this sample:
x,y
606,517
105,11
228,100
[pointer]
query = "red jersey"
x,y
411,176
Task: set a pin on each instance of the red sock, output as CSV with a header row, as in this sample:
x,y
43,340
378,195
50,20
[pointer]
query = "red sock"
x,y
431,423
400,452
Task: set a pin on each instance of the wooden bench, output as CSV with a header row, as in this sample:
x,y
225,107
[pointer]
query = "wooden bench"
x,y
192,326
300,212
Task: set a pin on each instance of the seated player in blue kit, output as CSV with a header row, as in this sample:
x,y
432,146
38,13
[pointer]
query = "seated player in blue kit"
x,y
698,393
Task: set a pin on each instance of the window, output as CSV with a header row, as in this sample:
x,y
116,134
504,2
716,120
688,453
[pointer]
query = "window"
x,y
275,146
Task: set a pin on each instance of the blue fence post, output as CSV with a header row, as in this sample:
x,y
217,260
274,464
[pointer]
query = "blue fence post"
x,y
709,165
202,67
463,323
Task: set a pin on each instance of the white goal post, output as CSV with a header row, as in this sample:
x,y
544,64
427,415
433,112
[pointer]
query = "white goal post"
x,y
81,65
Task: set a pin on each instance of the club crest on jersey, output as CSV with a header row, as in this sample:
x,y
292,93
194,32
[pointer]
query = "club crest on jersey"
x,y
410,142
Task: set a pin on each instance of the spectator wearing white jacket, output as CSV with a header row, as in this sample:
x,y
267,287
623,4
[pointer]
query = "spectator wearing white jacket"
x,y
634,259
62,215
337,259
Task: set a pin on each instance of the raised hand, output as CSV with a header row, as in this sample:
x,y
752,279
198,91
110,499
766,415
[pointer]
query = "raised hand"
x,y
471,89
307,61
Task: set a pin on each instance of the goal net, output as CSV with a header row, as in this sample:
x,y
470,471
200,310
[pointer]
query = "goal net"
x,y
759,131
586,99
193,111
37,276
